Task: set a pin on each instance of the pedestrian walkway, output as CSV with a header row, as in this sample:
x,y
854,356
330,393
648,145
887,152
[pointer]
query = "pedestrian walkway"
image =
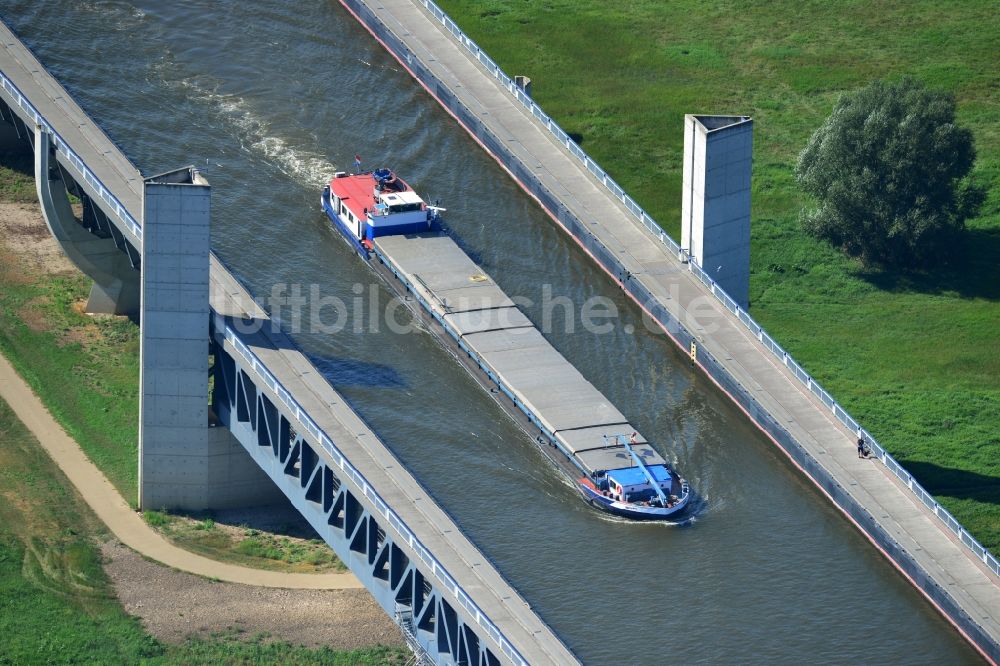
x,y
127,525
902,527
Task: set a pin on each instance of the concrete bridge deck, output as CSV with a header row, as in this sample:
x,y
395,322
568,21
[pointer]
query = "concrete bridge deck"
x,y
903,528
102,157
435,529
467,567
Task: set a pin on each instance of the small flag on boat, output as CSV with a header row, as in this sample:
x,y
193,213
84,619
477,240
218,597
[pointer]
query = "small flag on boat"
x,y
357,162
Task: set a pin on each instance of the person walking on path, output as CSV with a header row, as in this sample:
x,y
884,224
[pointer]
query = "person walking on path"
x,y
862,453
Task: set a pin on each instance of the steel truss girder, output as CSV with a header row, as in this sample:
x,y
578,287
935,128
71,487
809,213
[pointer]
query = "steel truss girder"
x,y
339,512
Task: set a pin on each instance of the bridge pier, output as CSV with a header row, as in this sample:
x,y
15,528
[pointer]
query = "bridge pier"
x,y
120,298
116,280
183,462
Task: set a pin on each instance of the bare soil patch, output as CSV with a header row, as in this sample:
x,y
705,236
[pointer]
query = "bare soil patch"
x,y
174,606
10,267
32,314
25,235
83,335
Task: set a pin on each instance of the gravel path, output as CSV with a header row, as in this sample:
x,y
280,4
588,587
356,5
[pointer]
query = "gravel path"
x,y
174,605
125,523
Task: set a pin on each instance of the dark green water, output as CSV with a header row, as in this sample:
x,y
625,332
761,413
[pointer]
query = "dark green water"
x,y
269,98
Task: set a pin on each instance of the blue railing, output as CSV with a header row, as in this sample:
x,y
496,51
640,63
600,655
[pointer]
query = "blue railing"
x,y
647,221
404,532
86,174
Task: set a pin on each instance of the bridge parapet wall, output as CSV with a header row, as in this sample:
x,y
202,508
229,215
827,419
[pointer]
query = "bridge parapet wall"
x,y
360,523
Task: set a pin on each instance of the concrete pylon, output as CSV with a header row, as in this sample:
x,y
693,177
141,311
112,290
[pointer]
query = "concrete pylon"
x,y
184,463
173,348
116,282
715,222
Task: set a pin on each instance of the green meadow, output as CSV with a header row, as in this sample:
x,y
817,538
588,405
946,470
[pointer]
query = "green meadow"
x,y
912,356
85,369
58,607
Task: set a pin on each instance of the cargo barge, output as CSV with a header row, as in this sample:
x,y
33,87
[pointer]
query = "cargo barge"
x,y
613,467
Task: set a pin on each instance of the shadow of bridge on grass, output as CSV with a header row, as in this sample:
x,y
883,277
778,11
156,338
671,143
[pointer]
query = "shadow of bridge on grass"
x,y
957,483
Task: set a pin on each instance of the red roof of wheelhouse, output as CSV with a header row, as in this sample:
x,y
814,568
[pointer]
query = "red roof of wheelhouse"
x,y
357,191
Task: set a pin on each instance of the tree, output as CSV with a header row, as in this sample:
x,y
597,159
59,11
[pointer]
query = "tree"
x,y
889,170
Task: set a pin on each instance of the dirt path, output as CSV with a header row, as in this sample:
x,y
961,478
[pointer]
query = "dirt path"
x,y
127,525
25,235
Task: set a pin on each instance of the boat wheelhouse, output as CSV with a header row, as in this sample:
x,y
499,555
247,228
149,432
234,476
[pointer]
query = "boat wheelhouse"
x,y
367,205
642,491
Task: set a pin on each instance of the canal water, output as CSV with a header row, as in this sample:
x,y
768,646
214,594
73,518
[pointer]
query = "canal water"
x,y
269,98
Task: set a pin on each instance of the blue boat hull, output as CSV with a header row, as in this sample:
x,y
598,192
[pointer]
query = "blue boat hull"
x,y
631,511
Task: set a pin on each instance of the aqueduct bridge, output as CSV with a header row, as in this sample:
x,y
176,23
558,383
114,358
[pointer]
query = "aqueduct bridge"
x,y
886,503
149,237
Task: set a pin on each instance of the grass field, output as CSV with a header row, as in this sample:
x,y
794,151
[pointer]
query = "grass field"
x,y
912,356
257,548
85,369
57,606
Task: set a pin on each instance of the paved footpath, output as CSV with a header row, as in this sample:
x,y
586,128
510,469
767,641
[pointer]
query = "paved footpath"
x,y
127,525
907,522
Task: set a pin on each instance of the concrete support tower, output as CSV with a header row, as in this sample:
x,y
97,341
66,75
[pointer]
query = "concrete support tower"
x,y
715,223
173,351
185,462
